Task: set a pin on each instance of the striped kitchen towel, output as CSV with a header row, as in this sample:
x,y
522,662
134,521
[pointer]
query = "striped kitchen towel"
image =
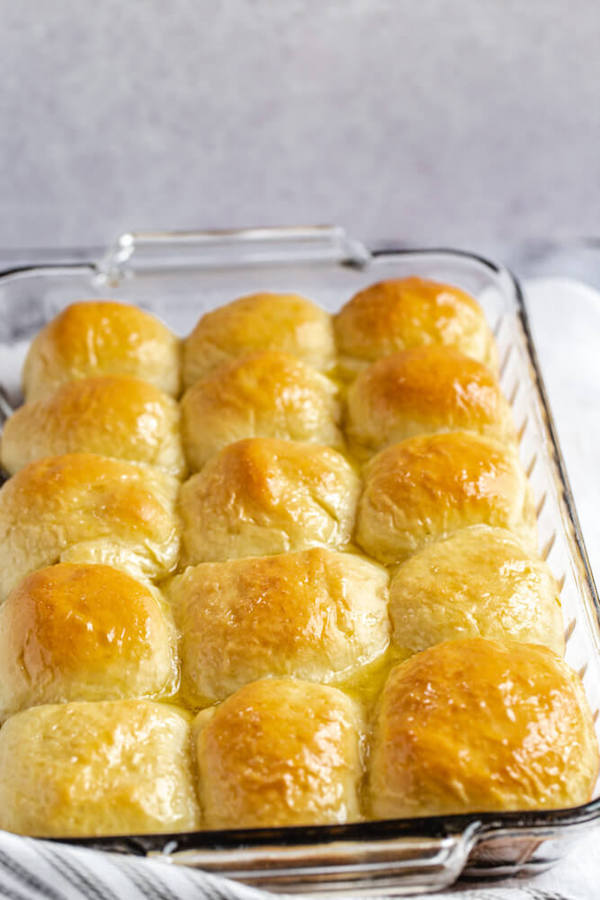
x,y
42,870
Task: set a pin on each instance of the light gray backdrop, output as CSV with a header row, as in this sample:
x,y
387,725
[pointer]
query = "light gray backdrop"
x,y
473,122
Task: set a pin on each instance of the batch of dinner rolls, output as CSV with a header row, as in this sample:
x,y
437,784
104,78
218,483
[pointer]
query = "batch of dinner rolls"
x,y
281,572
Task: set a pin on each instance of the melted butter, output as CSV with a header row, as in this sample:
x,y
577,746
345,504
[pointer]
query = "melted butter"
x,y
364,686
367,683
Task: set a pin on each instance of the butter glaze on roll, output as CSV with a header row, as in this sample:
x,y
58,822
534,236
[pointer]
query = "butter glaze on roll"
x,y
316,615
477,725
112,415
424,391
263,496
101,337
268,394
426,488
90,769
411,312
87,632
279,752
86,508
263,321
478,583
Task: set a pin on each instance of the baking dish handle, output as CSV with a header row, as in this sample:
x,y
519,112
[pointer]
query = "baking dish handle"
x,y
397,867
151,251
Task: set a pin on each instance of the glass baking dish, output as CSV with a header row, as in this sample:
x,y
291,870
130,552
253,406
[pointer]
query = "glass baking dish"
x,y
179,276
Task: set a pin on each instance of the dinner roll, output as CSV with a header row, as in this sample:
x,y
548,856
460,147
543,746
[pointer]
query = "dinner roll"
x,y
89,769
476,725
425,488
267,394
83,632
316,614
101,337
423,391
86,508
113,415
279,752
411,312
264,321
263,496
478,582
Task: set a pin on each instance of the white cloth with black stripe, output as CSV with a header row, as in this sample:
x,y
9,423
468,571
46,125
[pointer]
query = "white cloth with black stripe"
x,y
40,870
566,322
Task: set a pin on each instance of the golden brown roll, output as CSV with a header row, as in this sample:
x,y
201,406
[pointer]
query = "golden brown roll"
x,y
423,391
476,725
86,508
83,632
112,415
101,337
279,752
426,488
411,312
317,615
267,394
264,321
479,582
263,496
84,769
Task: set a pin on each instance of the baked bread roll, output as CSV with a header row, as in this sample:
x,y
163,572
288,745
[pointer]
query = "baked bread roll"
x,y
112,415
478,582
424,391
263,496
89,769
267,394
411,312
86,508
279,752
264,321
101,337
426,488
87,632
317,615
475,726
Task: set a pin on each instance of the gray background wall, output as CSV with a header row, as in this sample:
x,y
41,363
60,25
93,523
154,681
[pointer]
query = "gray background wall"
x,y
473,122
